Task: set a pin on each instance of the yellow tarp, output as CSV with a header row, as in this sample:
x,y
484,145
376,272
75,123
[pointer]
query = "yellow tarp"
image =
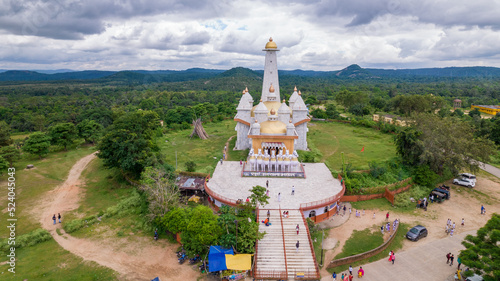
x,y
194,198
239,262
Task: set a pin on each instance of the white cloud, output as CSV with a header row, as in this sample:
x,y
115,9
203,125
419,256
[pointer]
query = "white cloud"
x,y
318,35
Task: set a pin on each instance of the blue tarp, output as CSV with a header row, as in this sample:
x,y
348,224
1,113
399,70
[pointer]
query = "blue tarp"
x,y
217,258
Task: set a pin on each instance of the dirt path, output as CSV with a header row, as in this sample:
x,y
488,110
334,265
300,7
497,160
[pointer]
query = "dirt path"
x,y
461,205
141,260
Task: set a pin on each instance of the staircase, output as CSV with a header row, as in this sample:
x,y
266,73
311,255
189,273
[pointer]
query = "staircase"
x,y
277,256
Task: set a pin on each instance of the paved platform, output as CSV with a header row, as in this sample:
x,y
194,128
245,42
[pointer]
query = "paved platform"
x,y
319,184
425,262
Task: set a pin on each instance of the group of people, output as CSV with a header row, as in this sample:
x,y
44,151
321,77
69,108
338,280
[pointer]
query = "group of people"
x,y
450,227
388,226
392,257
58,217
349,277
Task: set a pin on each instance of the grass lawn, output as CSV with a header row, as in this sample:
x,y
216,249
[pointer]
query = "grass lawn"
x,y
495,159
205,153
361,241
32,184
48,261
395,245
317,238
333,138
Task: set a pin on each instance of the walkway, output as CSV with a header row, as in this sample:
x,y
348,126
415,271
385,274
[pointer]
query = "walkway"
x,y
426,262
490,169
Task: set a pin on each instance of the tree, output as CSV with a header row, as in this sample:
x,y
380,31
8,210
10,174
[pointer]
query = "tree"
x,y
331,111
202,230
475,112
63,134
348,99
10,154
442,143
89,130
4,134
227,221
161,191
190,166
37,143
175,220
129,143
258,196
482,252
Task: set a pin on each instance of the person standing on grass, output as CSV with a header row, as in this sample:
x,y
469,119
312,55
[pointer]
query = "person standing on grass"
x,y
54,218
59,217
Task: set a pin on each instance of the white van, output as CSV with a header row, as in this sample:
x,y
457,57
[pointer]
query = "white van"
x,y
468,176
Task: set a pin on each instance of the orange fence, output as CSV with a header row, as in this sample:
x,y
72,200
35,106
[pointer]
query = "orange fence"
x,y
314,275
324,202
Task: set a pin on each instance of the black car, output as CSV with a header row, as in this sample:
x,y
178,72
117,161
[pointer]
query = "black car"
x,y
446,192
416,233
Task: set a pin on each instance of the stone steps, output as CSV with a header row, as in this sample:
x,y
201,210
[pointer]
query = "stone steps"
x,y
271,251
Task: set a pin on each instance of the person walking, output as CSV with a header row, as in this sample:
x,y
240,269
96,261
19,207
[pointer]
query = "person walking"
x,y
483,210
297,246
350,270
267,184
334,275
279,197
54,218
373,215
297,228
382,229
459,261
342,277
448,256
463,222
268,213
451,259
344,209
387,216
59,217
267,193
350,277
293,189
393,257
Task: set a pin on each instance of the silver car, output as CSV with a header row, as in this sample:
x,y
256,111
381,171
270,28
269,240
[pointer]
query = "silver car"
x,y
464,182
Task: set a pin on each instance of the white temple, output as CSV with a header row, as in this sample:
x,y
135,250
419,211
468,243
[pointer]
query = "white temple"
x,y
272,130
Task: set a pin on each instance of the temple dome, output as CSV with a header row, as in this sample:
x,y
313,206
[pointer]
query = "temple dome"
x,y
273,128
271,44
269,105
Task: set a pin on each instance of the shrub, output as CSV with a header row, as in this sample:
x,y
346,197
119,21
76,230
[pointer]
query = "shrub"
x,y
402,200
29,239
190,166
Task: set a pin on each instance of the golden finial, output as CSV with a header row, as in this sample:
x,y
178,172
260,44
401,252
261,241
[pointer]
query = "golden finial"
x,y
271,89
243,92
273,112
260,100
290,121
300,93
246,89
256,121
295,89
283,100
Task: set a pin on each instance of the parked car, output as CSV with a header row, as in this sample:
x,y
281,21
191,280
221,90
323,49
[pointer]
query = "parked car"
x,y
468,176
416,233
438,196
465,182
474,277
444,191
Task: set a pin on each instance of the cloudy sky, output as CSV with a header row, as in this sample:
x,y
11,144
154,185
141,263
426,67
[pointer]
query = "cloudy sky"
x,y
221,34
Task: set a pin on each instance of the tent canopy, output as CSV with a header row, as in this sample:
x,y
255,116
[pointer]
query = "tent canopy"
x,y
239,262
217,258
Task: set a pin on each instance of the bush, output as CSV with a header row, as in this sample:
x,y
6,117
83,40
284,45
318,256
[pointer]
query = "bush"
x,y
423,175
29,239
190,166
402,200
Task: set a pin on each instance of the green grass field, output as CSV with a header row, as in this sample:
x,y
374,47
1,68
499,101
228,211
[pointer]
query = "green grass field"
x,y
47,260
205,153
334,138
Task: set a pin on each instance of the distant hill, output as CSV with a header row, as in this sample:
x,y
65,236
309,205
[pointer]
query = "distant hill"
x,y
206,75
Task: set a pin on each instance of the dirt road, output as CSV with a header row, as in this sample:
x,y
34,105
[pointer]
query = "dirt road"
x,y
141,260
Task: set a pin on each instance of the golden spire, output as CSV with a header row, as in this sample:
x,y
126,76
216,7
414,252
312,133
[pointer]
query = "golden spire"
x,y
283,100
273,112
243,92
271,89
300,93
295,89
271,44
246,89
